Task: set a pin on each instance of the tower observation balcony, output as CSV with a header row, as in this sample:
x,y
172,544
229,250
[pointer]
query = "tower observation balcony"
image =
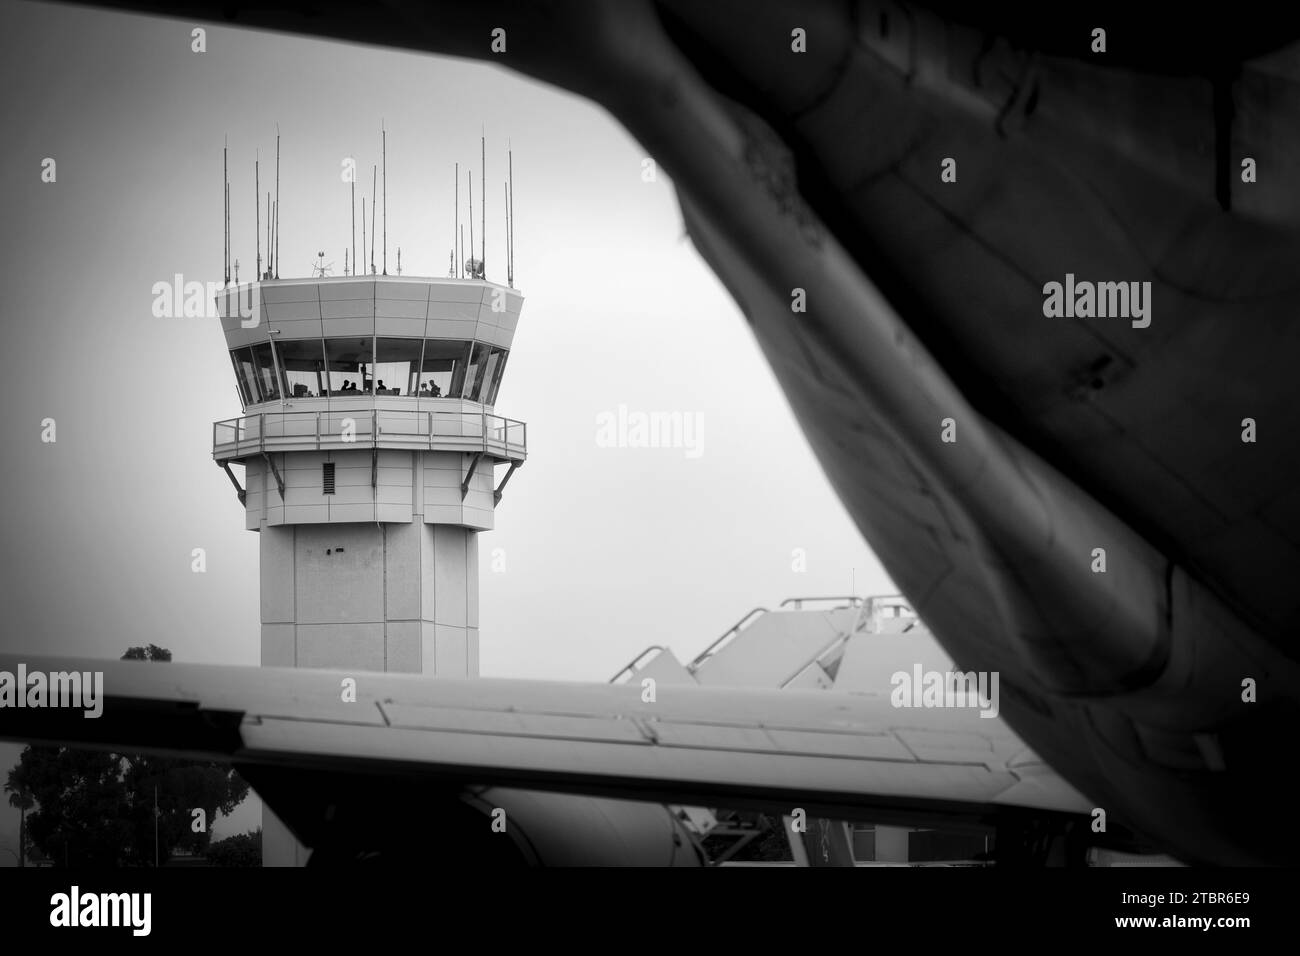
x,y
458,427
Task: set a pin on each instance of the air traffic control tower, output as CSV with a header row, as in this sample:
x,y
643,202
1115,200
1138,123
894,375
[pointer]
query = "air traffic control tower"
x,y
371,458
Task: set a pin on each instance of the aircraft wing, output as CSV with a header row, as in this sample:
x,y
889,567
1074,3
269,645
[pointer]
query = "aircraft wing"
x,y
834,754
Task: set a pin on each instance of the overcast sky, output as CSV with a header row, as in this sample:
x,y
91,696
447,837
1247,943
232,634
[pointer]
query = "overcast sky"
x,y
606,550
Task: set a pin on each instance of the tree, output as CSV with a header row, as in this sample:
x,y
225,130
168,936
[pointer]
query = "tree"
x,y
96,809
151,653
244,849
20,796
80,795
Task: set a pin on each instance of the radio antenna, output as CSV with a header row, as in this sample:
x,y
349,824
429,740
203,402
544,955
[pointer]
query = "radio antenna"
x,y
455,229
275,235
472,271
374,173
268,235
482,179
257,201
276,258
511,204
363,230
505,197
384,136
225,218
353,209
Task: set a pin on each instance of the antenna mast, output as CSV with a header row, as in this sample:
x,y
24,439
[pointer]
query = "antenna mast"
x,y
353,209
455,241
374,173
363,230
257,219
470,174
268,235
482,258
510,203
225,219
276,258
384,135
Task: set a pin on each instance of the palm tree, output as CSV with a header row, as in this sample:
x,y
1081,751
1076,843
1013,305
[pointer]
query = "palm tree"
x,y
21,797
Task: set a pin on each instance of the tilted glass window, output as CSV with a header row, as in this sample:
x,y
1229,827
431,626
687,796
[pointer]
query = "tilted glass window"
x,y
443,368
268,380
245,376
496,364
397,364
474,373
303,362
349,363
339,368
483,375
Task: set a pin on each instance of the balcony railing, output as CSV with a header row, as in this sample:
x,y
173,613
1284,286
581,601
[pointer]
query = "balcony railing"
x,y
469,431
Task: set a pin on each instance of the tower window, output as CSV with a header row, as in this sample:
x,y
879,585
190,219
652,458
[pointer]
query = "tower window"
x,y
327,478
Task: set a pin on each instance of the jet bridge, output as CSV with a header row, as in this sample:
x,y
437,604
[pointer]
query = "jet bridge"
x,y
803,644
829,643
